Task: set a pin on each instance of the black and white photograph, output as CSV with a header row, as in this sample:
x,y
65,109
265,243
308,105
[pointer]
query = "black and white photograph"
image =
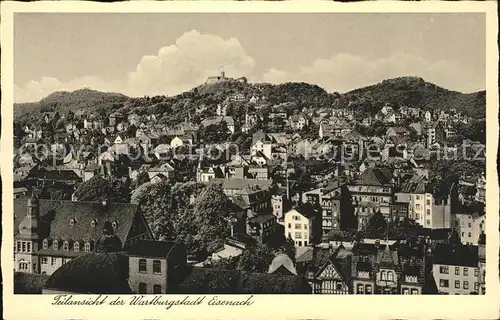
x,y
249,153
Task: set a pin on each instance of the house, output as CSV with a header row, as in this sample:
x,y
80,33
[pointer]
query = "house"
x,y
334,276
388,268
154,265
116,118
207,174
221,109
49,233
430,203
456,268
165,169
372,192
303,225
396,131
262,227
229,121
298,121
428,116
179,141
333,199
469,226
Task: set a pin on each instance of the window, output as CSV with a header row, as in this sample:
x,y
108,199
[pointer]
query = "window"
x,y
390,276
72,222
417,198
143,288
360,288
142,265
470,235
24,246
428,212
53,261
289,226
428,222
66,246
298,226
55,245
19,246
457,284
87,247
45,260
156,266
28,246
76,246
157,288
444,283
305,227
300,243
457,271
23,266
476,286
406,291
476,272
382,275
428,202
443,269
368,289
298,235
414,291
470,225
466,271
466,285
418,206
305,243
93,223
45,244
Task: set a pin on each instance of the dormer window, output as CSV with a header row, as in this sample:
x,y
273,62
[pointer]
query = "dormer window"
x,y
56,245
66,246
72,222
87,247
93,223
76,247
45,244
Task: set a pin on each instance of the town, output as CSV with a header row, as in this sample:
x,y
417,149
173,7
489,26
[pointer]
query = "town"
x,y
251,188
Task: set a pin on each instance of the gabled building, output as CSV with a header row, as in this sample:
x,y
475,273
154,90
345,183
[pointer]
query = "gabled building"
x,y
303,225
372,192
456,269
49,233
334,276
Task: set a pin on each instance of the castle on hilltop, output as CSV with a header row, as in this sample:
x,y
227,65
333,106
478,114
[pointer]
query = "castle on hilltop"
x,y
222,78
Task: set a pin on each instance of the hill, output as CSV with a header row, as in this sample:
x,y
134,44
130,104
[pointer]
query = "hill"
x,y
408,91
84,100
414,91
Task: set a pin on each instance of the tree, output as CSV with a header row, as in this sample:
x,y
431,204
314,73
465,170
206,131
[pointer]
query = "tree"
x,y
289,248
376,227
155,202
256,258
212,212
99,189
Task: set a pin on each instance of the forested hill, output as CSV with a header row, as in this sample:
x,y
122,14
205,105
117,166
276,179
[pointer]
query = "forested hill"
x,y
407,91
414,91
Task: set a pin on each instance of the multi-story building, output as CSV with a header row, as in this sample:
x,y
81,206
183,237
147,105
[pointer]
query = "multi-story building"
x,y
153,265
456,269
470,226
334,200
372,192
430,204
388,269
303,225
52,232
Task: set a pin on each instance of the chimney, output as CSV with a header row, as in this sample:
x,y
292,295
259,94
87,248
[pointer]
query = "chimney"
x,y
222,74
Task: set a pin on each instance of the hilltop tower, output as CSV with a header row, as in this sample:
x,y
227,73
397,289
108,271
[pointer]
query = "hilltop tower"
x,y
27,242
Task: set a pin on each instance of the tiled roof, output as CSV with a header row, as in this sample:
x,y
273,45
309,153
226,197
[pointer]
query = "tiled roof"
x,y
416,184
93,273
456,255
152,248
241,184
375,177
280,260
57,214
261,218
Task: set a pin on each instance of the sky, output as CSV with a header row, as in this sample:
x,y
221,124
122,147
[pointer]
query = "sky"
x,y
167,53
